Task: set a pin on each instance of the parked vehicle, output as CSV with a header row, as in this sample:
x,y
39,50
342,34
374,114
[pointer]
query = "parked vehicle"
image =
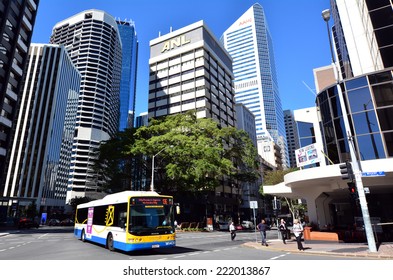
x,y
53,222
223,225
67,222
248,225
27,223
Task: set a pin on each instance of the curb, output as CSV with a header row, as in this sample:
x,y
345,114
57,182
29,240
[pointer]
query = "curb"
x,y
358,255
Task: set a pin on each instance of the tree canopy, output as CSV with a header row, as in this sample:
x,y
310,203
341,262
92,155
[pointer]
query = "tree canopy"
x,y
191,154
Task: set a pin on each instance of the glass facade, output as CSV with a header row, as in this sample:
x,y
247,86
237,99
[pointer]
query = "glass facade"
x,y
369,103
249,43
128,74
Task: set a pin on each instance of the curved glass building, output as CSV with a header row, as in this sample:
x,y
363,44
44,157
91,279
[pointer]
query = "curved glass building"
x,y
369,103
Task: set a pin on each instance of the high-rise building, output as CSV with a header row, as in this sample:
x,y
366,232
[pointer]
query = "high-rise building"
x,y
190,70
17,20
129,44
92,39
250,45
362,36
245,120
292,136
41,148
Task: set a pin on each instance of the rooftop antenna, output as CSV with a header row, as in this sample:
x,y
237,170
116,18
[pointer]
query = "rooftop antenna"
x,y
170,29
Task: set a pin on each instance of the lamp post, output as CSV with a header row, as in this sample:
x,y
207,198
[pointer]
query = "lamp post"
x,y
153,168
355,165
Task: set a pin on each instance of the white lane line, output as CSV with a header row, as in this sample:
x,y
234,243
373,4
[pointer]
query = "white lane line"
x,y
280,256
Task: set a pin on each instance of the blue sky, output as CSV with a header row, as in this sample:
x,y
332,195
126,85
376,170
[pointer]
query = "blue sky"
x,y
297,29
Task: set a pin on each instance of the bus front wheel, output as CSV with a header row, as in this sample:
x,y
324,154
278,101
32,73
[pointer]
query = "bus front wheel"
x,y
109,242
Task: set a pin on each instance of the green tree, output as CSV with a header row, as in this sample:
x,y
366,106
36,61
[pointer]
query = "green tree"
x,y
113,162
190,154
201,152
74,202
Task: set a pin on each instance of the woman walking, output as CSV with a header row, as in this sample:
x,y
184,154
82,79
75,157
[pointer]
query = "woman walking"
x,y
298,232
283,230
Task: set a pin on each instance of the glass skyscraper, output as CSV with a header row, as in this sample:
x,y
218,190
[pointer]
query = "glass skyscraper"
x,y
129,43
249,43
41,148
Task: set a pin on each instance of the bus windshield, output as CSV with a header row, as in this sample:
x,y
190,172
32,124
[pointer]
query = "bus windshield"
x,y
150,220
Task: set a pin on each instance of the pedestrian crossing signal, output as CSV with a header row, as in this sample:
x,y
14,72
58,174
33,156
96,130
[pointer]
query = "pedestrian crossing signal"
x,y
352,190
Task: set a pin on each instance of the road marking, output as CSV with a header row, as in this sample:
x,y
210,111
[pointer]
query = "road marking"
x,y
280,256
180,256
43,235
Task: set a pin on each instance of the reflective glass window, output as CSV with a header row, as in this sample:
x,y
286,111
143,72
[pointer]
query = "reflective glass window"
x,y
344,150
383,95
389,143
356,83
332,152
360,100
380,77
306,141
336,107
325,112
339,126
370,146
385,117
328,132
365,122
305,129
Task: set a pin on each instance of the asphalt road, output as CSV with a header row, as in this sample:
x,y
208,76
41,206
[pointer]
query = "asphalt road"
x,y
58,243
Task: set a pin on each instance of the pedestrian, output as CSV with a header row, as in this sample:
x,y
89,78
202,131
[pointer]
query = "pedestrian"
x,y
298,232
283,229
263,227
232,229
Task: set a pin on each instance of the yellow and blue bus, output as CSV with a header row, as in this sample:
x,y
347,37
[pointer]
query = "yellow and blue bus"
x,y
127,221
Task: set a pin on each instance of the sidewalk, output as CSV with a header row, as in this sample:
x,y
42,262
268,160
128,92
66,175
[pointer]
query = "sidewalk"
x,y
384,251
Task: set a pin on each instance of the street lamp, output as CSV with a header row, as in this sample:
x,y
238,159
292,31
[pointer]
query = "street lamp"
x,y
355,165
153,168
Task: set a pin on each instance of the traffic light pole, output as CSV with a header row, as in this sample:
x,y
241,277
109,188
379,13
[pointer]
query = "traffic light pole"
x,y
358,177
355,165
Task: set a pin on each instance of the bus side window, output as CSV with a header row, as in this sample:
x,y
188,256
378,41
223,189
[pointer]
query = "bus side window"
x,y
123,219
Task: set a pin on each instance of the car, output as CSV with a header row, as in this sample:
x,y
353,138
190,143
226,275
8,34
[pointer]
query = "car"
x,y
67,222
238,227
248,225
223,225
27,223
53,222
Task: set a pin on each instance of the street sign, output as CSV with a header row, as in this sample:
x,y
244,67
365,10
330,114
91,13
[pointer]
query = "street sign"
x,y
373,174
254,204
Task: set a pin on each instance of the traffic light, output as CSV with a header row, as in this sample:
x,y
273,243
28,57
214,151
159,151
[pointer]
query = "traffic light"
x,y
352,190
346,171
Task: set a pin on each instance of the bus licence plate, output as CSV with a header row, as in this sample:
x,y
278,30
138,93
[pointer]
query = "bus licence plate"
x,y
155,246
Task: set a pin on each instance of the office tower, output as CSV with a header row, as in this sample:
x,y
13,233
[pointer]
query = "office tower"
x,y
292,136
41,148
362,36
190,70
142,120
93,42
245,120
249,42
129,44
17,20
